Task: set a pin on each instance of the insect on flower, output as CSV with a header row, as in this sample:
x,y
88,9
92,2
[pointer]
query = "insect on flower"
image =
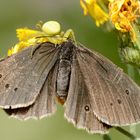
x,y
96,93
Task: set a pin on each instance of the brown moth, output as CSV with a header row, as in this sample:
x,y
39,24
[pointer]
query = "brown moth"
x,y
95,92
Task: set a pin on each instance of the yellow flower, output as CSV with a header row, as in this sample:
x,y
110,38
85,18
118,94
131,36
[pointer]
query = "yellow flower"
x,y
24,34
10,51
91,7
18,47
123,13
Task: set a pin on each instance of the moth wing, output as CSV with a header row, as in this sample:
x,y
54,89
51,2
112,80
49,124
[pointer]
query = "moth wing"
x,y
23,75
78,109
114,96
44,105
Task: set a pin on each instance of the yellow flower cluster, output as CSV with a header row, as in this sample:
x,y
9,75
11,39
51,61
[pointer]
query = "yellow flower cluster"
x,y
123,13
92,8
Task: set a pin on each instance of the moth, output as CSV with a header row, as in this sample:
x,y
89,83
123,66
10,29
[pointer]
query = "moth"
x,y
96,93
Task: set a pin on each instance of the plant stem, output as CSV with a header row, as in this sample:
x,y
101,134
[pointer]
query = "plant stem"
x,y
122,131
126,133
137,35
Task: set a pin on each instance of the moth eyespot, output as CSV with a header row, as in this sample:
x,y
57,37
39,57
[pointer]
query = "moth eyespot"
x,y
86,108
111,104
0,75
51,28
15,89
127,91
7,86
119,101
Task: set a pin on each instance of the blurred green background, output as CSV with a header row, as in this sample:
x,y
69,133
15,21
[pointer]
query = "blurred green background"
x,y
15,14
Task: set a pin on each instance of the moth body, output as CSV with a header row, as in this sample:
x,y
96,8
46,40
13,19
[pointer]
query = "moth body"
x,y
64,71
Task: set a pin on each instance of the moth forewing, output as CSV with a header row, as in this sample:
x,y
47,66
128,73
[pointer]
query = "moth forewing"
x,y
23,76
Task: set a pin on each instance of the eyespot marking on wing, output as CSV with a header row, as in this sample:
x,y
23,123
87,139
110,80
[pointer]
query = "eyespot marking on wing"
x,y
15,89
119,101
127,91
87,108
7,85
